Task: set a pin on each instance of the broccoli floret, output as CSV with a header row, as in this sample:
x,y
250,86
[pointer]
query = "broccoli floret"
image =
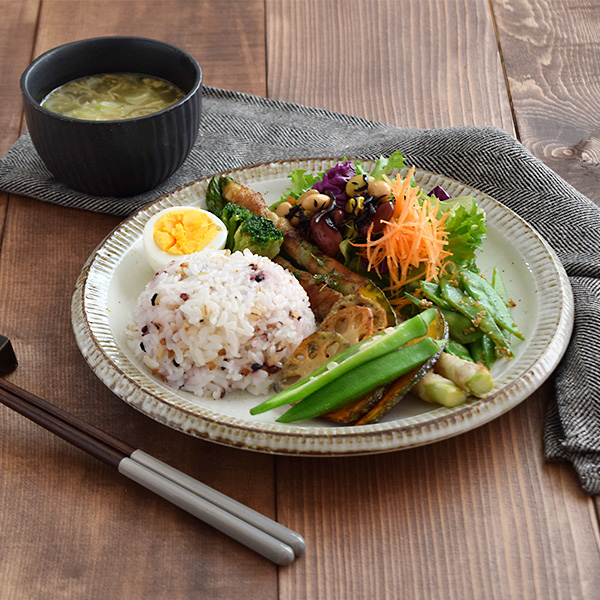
x,y
247,230
233,216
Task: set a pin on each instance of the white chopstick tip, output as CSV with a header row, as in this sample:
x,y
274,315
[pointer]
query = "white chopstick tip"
x,y
297,543
286,556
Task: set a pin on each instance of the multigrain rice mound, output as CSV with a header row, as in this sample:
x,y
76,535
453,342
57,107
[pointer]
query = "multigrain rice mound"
x,y
219,322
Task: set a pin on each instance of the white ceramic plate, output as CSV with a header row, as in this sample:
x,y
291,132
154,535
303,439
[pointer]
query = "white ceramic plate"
x,y
116,273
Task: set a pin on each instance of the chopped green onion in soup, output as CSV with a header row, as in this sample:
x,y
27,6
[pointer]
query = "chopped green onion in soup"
x,y
112,96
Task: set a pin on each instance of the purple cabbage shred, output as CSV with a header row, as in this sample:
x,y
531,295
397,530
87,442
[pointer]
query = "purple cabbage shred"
x,y
334,181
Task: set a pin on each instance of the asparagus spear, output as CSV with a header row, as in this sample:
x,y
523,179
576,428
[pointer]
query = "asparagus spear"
x,y
470,377
432,387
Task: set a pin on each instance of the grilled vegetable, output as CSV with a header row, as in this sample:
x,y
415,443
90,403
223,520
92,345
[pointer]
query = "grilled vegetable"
x,y
396,390
358,300
346,324
356,356
360,380
353,323
311,354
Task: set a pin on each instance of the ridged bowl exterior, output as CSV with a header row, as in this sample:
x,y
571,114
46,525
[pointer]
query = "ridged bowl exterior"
x,y
113,158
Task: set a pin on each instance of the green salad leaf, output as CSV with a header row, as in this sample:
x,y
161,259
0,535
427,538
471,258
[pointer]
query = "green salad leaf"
x,y
384,165
466,228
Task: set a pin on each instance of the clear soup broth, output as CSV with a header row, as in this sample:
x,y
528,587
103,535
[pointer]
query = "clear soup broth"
x,y
112,96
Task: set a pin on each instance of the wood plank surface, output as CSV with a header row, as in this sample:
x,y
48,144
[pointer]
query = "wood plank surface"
x,y
410,63
77,529
17,31
551,51
480,515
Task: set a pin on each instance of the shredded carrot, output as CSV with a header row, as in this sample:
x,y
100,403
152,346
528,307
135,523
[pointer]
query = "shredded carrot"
x,y
413,240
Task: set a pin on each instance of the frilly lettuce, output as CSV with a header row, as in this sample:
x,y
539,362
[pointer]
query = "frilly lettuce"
x,y
466,228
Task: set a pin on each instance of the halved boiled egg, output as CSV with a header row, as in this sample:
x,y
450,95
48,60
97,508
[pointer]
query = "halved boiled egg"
x,y
179,231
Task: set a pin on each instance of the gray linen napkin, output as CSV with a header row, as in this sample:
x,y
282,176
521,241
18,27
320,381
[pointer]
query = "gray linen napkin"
x,y
239,129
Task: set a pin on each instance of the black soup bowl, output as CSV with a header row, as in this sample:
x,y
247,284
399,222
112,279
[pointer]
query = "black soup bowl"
x,y
122,157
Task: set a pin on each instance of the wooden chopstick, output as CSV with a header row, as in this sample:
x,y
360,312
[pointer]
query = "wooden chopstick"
x,y
263,535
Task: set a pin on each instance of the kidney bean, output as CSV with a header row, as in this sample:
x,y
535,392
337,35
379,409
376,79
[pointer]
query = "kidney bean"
x,y
327,238
383,213
337,215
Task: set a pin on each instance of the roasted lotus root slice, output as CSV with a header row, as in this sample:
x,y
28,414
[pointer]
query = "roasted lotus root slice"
x,y
355,323
313,352
379,315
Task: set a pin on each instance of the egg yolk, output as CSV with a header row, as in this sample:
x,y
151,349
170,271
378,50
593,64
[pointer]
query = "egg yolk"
x,y
184,232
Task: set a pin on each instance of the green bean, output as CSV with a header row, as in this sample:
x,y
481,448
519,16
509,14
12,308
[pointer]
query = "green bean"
x,y
356,383
368,350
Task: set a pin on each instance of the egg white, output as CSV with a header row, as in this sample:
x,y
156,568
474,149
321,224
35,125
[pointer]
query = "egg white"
x,y
158,259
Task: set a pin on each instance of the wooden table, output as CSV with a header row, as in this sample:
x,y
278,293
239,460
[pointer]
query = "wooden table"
x,y
481,515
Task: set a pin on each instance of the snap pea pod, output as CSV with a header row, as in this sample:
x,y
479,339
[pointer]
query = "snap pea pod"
x,y
458,349
479,289
432,292
460,327
477,313
368,350
498,285
483,351
361,380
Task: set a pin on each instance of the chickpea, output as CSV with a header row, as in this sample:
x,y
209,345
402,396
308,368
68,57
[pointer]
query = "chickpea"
x,y
307,194
356,185
283,209
315,203
379,189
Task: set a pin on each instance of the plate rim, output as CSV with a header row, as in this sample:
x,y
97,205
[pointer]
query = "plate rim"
x,y
315,441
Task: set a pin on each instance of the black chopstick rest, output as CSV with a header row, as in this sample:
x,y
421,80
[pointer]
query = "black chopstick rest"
x,y
8,359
